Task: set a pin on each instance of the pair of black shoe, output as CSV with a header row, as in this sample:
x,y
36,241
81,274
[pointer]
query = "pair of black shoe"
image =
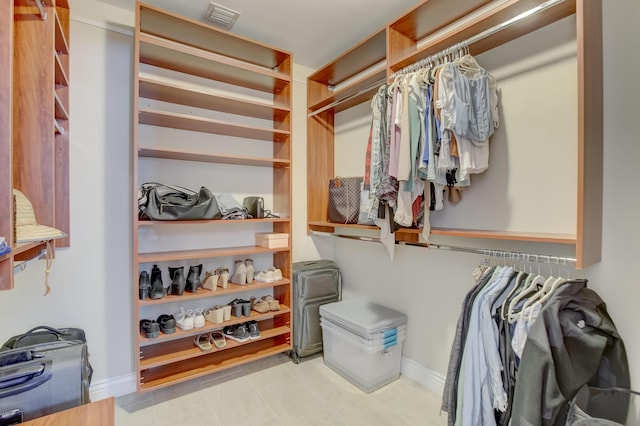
x,y
152,287
152,328
178,282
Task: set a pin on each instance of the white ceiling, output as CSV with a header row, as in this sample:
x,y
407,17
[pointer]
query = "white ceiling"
x,y
314,31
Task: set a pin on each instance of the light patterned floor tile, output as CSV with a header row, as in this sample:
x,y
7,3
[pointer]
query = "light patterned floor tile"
x,y
277,391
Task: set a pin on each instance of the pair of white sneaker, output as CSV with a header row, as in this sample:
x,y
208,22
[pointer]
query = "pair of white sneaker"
x,y
270,275
190,319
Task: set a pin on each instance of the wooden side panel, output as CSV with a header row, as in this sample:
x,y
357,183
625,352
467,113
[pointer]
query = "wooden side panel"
x,y
320,165
6,180
33,103
590,132
61,141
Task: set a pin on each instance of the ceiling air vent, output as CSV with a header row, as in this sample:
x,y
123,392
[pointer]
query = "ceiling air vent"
x,y
222,16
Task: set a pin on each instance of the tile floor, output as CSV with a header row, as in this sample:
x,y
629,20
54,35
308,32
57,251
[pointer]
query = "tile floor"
x,y
277,391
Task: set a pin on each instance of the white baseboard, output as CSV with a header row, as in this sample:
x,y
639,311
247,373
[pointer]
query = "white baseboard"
x,y
427,377
116,386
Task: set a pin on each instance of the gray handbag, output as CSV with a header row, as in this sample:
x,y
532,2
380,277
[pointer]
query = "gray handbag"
x,y
344,199
157,201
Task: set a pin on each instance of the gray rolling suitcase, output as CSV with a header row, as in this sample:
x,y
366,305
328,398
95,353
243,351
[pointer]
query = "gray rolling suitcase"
x,y
314,283
41,379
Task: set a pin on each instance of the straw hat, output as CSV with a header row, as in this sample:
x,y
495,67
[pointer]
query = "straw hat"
x,y
27,229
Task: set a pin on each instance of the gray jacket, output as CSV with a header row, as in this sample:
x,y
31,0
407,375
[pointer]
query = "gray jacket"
x,y
573,342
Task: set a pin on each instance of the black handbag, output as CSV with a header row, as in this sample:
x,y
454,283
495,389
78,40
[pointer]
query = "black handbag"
x,y
157,201
344,199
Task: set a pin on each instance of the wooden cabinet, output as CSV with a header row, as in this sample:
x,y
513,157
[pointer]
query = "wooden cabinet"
x,y
211,109
34,121
355,76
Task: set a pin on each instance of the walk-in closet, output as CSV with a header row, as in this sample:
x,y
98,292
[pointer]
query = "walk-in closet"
x,y
493,146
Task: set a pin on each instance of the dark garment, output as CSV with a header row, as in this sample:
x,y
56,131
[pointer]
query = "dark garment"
x,y
573,342
450,393
509,370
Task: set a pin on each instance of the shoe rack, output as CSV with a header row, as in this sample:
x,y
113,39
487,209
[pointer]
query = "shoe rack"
x,y
34,121
234,96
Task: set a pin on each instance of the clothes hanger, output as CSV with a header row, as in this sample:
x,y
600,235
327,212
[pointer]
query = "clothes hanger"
x,y
537,280
535,297
556,283
519,279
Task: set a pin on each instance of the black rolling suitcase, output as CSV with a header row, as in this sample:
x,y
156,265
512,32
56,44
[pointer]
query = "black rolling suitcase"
x,y
314,283
42,379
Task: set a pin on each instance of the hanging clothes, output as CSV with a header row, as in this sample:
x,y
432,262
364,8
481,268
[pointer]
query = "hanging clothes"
x,y
569,343
573,342
430,131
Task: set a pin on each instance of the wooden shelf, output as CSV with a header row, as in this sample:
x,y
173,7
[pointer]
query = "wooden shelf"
x,y
211,363
353,94
174,56
60,109
404,234
206,125
205,253
202,293
61,78
157,347
187,350
193,33
60,39
170,154
216,221
200,98
494,16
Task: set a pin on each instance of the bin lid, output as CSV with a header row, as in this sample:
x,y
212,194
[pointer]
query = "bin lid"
x,y
362,317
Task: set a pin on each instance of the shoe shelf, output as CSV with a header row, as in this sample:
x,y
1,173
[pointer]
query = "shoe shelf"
x,y
193,80
171,154
215,361
160,349
206,253
202,293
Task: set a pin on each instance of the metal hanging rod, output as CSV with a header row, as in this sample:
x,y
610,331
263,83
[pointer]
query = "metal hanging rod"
x,y
473,39
530,257
19,267
346,98
43,12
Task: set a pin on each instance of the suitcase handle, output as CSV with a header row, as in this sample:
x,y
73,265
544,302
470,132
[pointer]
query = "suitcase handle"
x,y
20,379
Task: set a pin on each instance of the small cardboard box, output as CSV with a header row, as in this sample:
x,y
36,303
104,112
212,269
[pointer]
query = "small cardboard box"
x,y
272,240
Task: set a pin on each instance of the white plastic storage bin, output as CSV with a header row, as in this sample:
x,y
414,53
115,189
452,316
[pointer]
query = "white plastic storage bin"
x,y
363,342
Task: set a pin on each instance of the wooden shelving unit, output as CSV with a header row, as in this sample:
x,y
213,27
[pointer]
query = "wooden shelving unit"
x,y
34,121
192,50
426,30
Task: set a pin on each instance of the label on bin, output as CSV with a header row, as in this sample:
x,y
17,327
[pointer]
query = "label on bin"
x,y
390,332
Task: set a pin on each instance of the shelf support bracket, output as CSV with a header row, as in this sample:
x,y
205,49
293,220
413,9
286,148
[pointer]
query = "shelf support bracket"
x,y
43,11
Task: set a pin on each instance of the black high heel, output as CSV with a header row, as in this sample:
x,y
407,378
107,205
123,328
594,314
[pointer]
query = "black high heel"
x,y
193,278
157,290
